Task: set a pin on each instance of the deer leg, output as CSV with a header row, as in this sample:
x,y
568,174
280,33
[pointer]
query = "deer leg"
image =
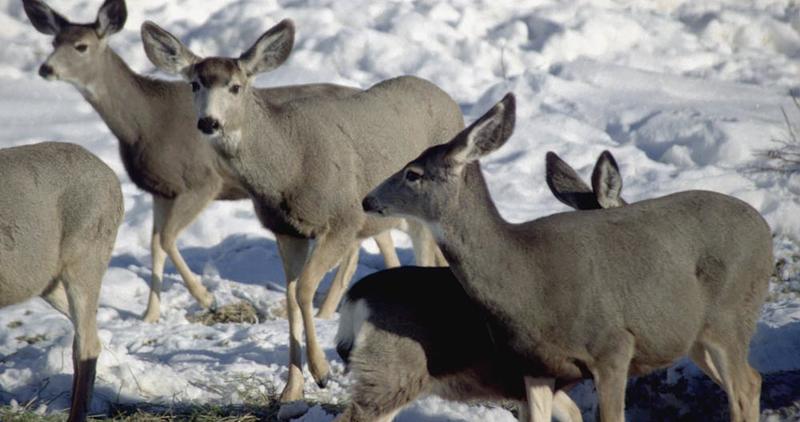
x,y
158,256
741,382
327,252
565,409
293,252
441,261
702,358
539,393
185,209
610,373
57,298
340,282
82,288
386,246
423,242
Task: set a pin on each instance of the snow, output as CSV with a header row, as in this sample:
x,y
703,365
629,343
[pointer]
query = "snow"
x,y
682,92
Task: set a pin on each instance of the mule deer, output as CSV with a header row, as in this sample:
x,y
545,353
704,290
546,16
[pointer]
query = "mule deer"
x,y
160,147
593,294
308,162
399,345
60,208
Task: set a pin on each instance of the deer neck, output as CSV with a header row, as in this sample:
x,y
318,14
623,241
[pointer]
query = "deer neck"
x,y
266,157
483,249
120,97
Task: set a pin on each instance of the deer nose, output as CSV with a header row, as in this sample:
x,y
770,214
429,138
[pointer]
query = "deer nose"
x,y
208,125
46,71
371,204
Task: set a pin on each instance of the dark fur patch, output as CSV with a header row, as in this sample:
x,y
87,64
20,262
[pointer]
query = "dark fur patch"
x,y
344,348
72,34
216,71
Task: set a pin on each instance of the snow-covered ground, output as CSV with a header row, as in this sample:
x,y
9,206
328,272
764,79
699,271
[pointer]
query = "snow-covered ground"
x,y
682,92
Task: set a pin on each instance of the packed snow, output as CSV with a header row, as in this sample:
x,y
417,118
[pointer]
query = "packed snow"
x,y
683,93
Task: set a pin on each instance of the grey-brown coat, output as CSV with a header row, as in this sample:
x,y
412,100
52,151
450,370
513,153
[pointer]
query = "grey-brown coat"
x,y
600,294
60,208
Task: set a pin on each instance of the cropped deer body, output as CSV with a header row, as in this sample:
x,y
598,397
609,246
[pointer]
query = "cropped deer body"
x,y
308,162
60,208
160,146
594,294
399,344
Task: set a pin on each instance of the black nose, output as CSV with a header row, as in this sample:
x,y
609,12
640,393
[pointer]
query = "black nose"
x,y
208,125
45,70
370,204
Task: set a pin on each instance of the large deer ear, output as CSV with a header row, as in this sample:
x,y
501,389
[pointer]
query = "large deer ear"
x,y
271,49
487,134
44,19
166,51
111,18
567,186
607,182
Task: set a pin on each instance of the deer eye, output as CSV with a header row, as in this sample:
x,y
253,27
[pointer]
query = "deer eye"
x,y
81,48
235,89
413,175
195,86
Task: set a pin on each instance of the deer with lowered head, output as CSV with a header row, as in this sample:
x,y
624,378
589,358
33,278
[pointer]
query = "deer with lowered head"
x,y
593,294
399,345
159,144
60,208
306,163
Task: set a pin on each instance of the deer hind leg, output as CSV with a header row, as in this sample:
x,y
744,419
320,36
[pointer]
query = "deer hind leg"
x,y
741,382
327,252
82,287
610,374
340,282
565,409
56,296
539,403
158,256
386,246
441,261
182,211
293,252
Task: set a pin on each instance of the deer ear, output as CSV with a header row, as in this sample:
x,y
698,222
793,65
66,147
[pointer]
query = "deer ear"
x,y
271,49
567,186
487,134
607,182
165,51
111,18
44,19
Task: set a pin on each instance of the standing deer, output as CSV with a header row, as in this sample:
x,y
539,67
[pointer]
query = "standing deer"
x,y
399,345
159,144
307,163
603,294
60,208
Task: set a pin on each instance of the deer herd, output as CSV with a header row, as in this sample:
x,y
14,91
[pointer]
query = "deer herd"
x,y
493,311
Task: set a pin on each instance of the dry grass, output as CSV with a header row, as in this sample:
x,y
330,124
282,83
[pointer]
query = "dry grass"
x,y
236,313
784,158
